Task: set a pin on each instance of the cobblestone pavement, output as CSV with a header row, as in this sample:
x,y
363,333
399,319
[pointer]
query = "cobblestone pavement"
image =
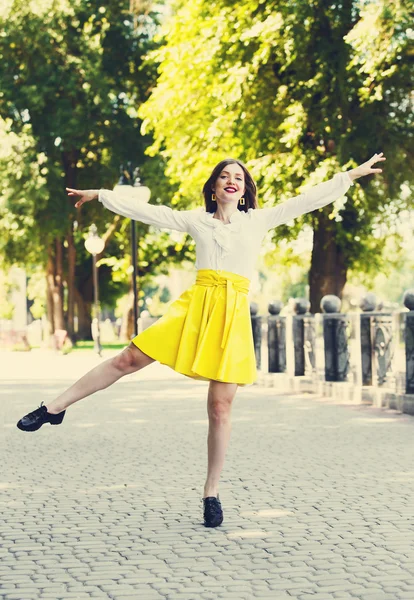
x,y
317,497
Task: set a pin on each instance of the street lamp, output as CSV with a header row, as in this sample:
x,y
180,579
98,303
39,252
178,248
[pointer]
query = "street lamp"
x,y
94,244
129,184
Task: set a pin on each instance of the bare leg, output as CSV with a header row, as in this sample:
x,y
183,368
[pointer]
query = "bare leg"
x,y
131,359
219,402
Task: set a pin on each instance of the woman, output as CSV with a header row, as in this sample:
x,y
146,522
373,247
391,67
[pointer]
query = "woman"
x,y
206,333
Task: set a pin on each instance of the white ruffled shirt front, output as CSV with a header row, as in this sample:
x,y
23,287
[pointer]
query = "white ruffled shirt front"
x,y
233,246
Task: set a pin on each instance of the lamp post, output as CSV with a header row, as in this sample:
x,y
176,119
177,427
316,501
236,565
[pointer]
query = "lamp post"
x,y
94,244
130,184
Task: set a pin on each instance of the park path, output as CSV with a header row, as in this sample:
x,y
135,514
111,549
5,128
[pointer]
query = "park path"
x,y
317,497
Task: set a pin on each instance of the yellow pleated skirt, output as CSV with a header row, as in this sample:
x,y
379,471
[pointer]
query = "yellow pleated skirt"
x,y
206,333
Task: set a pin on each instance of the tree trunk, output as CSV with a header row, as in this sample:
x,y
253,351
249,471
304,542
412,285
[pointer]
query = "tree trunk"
x,y
49,292
84,317
127,325
70,159
55,286
58,287
328,270
71,284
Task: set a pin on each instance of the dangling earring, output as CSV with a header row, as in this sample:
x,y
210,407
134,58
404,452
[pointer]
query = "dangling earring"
x,y
242,202
213,197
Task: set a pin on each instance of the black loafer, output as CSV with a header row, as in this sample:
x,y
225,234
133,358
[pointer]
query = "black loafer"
x,y
213,514
34,420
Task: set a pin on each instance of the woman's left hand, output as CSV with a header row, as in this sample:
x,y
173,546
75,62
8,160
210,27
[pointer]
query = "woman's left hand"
x,y
366,167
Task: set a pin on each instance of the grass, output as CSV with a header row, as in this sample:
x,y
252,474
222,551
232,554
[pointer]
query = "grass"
x,y
89,345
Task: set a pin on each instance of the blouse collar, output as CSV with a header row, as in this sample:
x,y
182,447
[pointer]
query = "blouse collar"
x,y
234,218
222,231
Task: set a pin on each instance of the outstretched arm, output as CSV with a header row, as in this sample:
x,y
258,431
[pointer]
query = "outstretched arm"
x,y
316,197
128,206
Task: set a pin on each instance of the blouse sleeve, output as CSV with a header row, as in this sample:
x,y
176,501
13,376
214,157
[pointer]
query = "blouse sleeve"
x,y
151,214
316,197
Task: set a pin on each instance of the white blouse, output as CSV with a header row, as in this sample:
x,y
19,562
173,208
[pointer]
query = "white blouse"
x,y
234,246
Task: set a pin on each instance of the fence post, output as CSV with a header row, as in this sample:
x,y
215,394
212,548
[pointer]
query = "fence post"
x,y
367,304
408,300
335,339
257,332
300,307
276,338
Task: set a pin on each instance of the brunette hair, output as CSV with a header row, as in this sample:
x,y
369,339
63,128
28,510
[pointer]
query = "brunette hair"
x,y
250,194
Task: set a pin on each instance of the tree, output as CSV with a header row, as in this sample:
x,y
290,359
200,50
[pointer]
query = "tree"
x,y
298,91
72,78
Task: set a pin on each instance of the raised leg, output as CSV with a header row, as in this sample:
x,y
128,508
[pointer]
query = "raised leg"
x,y
219,403
128,361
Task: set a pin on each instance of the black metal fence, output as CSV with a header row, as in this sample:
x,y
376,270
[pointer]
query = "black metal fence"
x,y
368,348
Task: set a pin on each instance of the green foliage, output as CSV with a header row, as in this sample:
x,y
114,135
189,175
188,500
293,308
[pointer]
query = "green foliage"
x,y
6,306
298,91
36,293
295,290
165,295
23,194
73,77
21,347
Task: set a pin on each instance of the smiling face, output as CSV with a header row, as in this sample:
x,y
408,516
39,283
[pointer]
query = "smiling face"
x,y
229,186
230,180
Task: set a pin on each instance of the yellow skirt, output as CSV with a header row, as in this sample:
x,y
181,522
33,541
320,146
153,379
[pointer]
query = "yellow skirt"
x,y
206,333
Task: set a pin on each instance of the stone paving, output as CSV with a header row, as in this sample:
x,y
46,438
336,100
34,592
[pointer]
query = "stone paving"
x,y
317,497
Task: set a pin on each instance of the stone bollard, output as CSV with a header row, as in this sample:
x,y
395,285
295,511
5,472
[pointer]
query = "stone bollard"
x,y
376,342
382,336
367,305
335,339
300,307
276,338
309,346
408,300
257,332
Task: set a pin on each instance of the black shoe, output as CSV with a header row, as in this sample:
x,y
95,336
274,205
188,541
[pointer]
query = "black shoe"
x,y
34,420
213,515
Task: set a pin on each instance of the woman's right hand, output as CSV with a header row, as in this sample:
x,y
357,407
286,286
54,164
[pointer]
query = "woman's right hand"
x,y
85,195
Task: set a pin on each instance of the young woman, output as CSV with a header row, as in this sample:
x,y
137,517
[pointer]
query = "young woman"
x,y
206,333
